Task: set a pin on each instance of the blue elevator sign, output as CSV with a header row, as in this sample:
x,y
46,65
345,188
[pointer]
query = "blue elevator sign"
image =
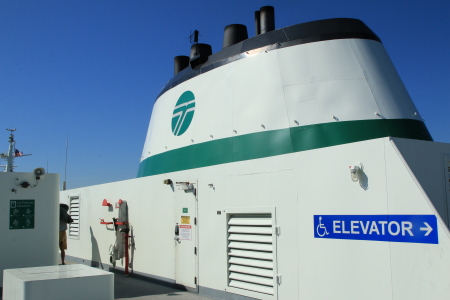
x,y
387,228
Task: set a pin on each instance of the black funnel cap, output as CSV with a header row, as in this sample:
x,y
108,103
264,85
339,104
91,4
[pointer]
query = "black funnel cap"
x,y
180,63
267,15
257,22
199,54
234,34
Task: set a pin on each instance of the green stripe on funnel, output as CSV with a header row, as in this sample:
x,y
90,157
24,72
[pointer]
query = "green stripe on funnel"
x,y
278,142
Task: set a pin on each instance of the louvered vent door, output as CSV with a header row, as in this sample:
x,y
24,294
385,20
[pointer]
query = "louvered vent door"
x,y
74,212
251,253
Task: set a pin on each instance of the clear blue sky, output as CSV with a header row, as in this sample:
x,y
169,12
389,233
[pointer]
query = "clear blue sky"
x,y
92,69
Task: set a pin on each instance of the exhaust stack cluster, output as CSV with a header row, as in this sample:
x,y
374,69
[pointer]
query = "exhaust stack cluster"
x,y
233,34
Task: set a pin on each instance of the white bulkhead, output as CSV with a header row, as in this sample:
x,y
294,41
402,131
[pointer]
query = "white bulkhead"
x,y
245,186
323,82
29,220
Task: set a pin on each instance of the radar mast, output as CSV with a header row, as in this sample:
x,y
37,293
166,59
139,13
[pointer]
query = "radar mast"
x,y
11,153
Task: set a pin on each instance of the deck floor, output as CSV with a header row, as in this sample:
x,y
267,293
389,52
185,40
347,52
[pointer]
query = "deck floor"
x,y
129,287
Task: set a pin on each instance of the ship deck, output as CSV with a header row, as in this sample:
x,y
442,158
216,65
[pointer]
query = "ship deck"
x,y
137,288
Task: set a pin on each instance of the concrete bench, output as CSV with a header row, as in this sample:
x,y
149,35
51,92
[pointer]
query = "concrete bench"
x,y
58,282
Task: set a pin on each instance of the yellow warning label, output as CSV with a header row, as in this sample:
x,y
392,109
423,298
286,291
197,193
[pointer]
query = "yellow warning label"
x,y
185,220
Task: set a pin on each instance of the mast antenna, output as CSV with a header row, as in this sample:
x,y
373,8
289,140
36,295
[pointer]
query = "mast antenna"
x,y
65,164
11,153
193,38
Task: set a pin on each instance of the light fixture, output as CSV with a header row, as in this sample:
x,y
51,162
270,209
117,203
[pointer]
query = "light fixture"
x,y
167,181
355,171
185,186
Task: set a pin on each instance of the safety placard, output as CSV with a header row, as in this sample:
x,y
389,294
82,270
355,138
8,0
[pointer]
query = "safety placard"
x,y
185,232
21,214
185,220
387,228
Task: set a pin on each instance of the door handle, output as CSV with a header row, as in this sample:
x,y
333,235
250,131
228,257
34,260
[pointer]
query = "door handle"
x,y
177,230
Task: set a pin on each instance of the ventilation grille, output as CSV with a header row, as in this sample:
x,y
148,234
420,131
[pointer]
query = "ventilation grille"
x,y
74,212
250,253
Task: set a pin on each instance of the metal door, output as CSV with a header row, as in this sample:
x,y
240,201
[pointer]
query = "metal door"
x,y
186,240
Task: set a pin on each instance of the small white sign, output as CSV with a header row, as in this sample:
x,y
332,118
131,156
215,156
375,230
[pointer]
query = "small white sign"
x,y
186,232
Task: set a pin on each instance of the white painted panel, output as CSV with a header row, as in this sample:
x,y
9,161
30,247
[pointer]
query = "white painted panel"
x,y
153,143
298,185
308,111
404,195
284,193
29,247
317,62
429,170
347,100
323,102
258,97
214,104
300,113
325,187
420,271
148,199
388,89
415,273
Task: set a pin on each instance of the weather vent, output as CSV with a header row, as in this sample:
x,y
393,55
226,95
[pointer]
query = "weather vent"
x,y
74,212
251,252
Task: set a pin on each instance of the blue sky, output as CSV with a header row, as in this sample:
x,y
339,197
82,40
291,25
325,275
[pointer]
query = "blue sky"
x,y
91,70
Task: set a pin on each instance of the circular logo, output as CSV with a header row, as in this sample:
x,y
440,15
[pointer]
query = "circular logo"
x,y
183,113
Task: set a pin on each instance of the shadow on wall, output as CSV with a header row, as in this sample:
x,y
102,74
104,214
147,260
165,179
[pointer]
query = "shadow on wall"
x,y
96,260
363,181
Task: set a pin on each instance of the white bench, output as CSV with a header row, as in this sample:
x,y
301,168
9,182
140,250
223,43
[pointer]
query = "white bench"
x,y
58,282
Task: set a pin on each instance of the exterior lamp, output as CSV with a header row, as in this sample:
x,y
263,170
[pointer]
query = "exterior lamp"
x,y
355,171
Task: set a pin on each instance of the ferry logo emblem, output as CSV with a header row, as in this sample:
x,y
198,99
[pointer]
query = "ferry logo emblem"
x,y
183,113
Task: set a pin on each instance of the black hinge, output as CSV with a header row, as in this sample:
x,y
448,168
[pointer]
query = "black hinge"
x,y
195,221
195,250
195,280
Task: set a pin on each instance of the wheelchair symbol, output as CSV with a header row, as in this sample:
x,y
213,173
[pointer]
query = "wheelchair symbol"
x,y
321,229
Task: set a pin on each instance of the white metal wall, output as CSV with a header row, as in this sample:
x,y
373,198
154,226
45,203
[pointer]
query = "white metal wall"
x,y
296,187
38,246
349,79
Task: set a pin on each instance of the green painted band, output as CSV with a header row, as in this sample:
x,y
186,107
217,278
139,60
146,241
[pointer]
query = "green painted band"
x,y
278,142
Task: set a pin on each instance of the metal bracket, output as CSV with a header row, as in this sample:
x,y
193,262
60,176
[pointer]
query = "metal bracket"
x,y
277,230
279,279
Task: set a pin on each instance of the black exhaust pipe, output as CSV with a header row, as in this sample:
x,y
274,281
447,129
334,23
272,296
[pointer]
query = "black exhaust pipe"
x,y
199,54
257,22
180,63
234,34
267,19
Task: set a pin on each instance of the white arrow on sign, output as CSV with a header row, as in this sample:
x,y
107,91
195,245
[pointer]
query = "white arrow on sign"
x,y
428,229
